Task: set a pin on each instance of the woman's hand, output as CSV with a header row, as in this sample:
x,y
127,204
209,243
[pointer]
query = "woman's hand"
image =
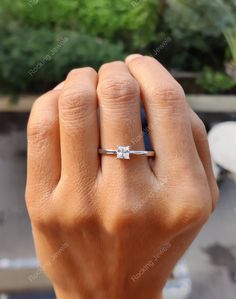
x,y
110,228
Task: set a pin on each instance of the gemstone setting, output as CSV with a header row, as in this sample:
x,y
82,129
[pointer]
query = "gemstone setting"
x,y
123,152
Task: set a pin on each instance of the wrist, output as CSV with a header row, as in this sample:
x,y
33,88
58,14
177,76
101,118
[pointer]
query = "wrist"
x,y
69,295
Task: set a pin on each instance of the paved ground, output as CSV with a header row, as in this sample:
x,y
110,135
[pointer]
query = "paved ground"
x,y
211,259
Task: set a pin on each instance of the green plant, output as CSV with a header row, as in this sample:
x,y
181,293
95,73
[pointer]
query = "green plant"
x,y
229,30
214,82
230,36
34,60
209,18
132,21
192,45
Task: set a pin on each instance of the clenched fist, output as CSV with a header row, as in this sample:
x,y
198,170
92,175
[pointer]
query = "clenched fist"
x,y
105,227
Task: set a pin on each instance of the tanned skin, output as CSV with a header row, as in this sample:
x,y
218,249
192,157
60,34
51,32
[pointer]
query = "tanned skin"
x,y
106,228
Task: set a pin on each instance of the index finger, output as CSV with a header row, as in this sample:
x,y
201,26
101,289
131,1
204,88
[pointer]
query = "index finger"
x,y
166,108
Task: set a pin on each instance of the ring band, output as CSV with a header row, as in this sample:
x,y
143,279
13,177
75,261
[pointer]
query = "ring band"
x,y
124,152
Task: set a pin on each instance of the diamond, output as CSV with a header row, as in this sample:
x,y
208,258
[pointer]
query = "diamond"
x,y
123,152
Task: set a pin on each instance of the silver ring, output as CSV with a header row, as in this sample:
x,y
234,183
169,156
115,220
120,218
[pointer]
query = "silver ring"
x,y
124,152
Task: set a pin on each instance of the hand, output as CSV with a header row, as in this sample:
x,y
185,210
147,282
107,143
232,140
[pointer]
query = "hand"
x,y
110,228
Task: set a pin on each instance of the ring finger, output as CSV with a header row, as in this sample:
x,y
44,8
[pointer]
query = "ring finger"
x,y
120,119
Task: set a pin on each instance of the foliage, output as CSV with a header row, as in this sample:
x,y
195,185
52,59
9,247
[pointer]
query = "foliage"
x,y
206,18
131,21
44,39
215,82
34,60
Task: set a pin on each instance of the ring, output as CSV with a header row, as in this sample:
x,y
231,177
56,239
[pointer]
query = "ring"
x,y
124,152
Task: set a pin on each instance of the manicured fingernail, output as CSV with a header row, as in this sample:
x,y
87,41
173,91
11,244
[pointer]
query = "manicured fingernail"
x,y
132,57
59,86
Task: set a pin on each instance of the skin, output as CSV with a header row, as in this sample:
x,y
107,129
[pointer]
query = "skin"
x,y
110,228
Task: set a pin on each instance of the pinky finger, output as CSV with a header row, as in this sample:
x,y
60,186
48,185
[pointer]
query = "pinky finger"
x,y
201,142
43,169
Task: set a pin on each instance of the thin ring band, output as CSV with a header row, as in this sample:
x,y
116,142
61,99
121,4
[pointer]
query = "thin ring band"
x,y
123,152
102,151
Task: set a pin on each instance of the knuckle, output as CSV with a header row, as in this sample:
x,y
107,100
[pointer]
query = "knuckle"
x,y
73,72
109,65
79,213
84,70
185,217
78,219
192,214
41,123
41,103
120,222
118,89
199,127
74,98
43,219
168,94
76,103
191,206
141,61
196,215
39,129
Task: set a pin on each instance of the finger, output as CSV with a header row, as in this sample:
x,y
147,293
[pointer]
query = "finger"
x,y
44,165
201,141
167,112
60,86
120,115
78,124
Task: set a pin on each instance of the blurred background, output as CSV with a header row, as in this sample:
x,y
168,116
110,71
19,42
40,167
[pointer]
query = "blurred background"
x,y
41,41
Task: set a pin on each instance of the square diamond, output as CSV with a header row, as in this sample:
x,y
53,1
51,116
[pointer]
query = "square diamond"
x,y
123,152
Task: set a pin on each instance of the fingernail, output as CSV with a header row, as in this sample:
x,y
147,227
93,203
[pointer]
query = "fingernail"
x,y
132,57
59,86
